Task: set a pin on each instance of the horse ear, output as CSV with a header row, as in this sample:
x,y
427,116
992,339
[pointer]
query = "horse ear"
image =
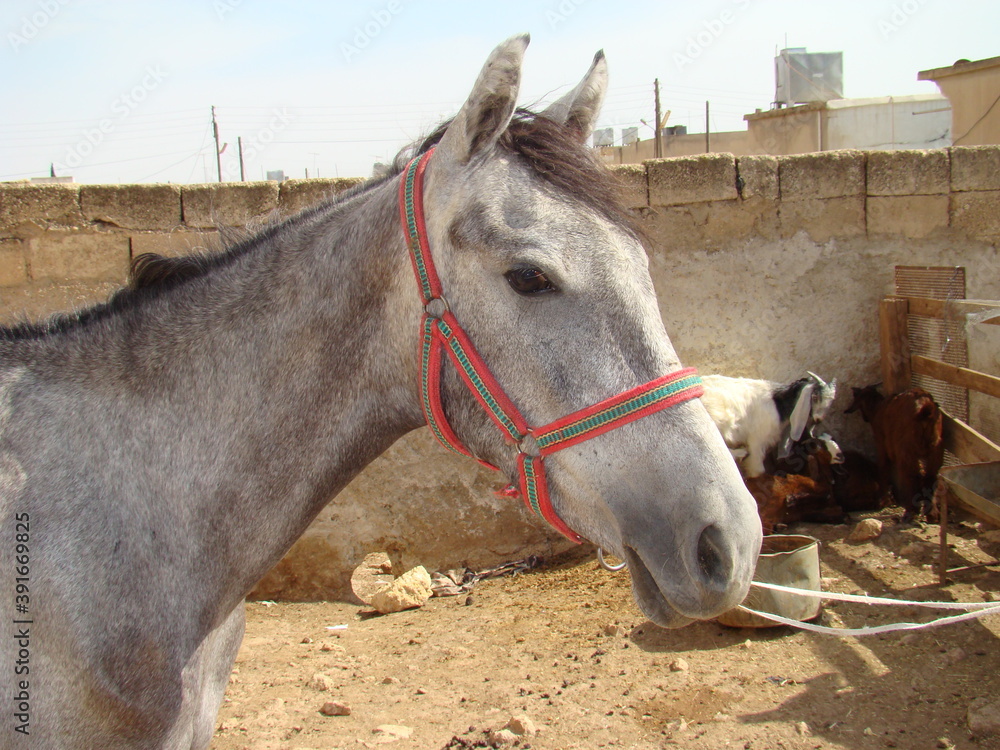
x,y
487,112
578,110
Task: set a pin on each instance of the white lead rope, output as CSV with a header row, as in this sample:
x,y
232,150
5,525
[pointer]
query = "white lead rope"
x,y
979,609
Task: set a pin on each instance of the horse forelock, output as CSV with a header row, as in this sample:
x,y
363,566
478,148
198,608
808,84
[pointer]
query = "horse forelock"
x,y
557,155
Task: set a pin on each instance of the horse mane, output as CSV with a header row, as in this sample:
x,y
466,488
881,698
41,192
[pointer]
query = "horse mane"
x,y
554,151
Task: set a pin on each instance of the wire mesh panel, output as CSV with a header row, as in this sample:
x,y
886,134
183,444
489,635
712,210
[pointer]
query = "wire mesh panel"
x,y
944,338
936,282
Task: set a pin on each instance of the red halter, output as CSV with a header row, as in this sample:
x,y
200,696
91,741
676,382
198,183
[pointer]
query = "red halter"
x,y
442,334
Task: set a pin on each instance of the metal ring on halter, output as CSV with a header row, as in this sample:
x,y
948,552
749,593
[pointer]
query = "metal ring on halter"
x,y
436,307
608,566
529,446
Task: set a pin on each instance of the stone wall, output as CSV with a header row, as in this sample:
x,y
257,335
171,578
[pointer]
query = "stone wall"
x,y
771,266
765,267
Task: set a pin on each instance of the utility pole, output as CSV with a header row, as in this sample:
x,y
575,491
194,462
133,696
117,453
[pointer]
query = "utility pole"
x,y
239,146
218,150
657,148
708,134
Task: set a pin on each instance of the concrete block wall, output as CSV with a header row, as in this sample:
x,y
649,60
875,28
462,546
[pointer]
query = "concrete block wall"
x,y
835,194
66,246
765,267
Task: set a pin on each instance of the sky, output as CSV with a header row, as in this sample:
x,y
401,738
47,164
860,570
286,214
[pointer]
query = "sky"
x,y
123,90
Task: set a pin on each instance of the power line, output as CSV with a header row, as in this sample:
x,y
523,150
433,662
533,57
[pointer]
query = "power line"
x,y
171,166
95,164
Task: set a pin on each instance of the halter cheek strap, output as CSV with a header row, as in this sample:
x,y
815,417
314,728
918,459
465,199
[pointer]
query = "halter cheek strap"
x,y
442,336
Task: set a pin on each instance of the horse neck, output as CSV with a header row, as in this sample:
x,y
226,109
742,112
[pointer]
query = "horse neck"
x,y
257,392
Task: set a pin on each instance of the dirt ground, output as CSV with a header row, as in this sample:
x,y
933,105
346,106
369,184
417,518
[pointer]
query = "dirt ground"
x,y
564,649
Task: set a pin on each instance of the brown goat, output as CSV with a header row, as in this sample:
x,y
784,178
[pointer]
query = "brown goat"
x,y
853,479
785,499
908,442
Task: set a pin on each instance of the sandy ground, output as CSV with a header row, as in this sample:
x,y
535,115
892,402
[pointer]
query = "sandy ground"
x,y
564,649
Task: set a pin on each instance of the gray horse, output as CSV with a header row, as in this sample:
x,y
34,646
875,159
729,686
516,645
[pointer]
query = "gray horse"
x,y
160,452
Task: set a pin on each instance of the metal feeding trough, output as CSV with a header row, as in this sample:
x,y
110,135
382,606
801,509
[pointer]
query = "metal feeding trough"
x,y
977,487
789,560
974,487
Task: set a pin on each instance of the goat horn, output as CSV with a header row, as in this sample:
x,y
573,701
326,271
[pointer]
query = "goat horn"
x,y
816,377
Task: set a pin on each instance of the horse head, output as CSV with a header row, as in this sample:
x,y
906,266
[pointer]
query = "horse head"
x,y
548,276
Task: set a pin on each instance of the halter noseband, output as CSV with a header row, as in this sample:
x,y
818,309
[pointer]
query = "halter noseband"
x,y
442,334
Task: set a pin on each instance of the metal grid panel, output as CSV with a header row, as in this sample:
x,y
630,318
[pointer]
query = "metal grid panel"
x,y
936,282
939,338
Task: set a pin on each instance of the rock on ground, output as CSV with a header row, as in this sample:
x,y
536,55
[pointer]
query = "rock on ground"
x,y
869,528
335,708
521,725
412,589
395,731
321,681
984,716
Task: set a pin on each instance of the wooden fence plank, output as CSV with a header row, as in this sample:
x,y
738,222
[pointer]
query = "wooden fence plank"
x,y
968,445
960,376
939,308
895,344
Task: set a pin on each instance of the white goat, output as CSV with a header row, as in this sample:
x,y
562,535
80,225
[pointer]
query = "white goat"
x,y
754,415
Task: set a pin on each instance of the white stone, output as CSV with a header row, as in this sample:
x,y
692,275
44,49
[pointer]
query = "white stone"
x,y
521,725
679,665
869,528
412,589
321,681
395,731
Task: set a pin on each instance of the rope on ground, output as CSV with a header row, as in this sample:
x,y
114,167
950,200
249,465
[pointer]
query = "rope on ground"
x,y
978,609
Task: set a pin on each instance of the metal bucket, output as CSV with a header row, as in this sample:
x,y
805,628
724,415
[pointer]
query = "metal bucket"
x,y
788,560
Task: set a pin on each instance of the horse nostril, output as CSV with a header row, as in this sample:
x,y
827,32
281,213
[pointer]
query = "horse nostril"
x,y
713,563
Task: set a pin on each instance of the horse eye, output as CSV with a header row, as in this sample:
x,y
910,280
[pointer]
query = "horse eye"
x,y
529,281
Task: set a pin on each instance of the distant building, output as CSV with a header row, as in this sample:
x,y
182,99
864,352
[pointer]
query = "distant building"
x,y
879,123
604,137
973,88
50,180
809,115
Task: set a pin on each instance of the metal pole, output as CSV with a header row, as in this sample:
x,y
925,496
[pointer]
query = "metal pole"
x,y
218,152
239,146
708,135
657,148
